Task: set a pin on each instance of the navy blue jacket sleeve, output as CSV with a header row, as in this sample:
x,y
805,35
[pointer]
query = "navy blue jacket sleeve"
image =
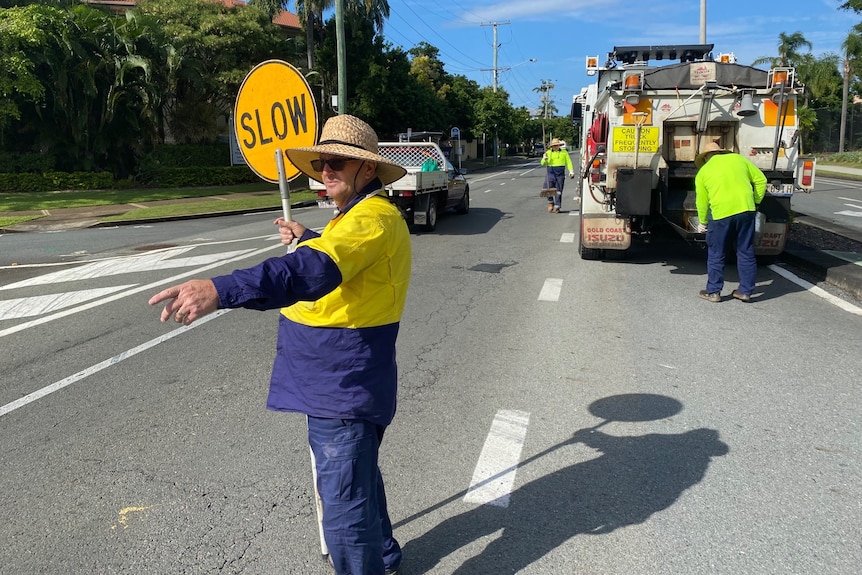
x,y
303,275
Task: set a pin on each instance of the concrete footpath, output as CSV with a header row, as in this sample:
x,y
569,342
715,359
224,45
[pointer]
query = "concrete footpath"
x,y
844,274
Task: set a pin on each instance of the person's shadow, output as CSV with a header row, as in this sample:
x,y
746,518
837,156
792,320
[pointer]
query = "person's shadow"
x,y
634,477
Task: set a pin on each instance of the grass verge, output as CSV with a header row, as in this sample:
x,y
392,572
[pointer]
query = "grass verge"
x,y
84,198
9,221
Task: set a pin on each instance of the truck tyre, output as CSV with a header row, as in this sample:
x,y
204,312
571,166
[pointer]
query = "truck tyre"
x,y
588,253
431,215
464,207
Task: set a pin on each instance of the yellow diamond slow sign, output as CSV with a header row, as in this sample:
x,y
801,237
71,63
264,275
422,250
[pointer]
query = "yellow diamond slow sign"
x,y
274,110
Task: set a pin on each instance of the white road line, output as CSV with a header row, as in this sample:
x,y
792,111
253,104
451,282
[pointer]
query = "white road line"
x,y
204,242
494,474
142,263
849,213
846,306
551,290
121,295
49,389
37,305
848,199
567,238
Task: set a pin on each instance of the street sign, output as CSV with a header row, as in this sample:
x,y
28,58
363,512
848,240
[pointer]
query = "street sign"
x,y
455,134
274,110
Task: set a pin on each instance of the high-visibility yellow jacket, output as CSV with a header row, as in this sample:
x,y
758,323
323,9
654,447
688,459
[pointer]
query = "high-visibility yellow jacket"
x,y
342,293
726,185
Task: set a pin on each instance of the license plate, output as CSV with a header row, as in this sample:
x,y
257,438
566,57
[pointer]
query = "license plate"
x,y
326,204
779,190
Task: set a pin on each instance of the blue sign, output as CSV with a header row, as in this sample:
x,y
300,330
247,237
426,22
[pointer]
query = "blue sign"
x,y
456,134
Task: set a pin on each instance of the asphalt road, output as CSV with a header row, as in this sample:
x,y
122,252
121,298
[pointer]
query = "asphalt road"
x,y
555,415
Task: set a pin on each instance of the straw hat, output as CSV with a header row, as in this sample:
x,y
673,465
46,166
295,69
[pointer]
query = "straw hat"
x,y
349,137
710,148
555,142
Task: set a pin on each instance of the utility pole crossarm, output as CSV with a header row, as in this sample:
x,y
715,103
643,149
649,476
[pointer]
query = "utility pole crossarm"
x,y
496,46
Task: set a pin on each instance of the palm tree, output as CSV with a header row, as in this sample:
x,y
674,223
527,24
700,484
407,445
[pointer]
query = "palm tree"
x,y
788,50
852,47
311,13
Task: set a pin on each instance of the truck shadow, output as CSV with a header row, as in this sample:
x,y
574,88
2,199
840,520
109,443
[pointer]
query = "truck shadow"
x,y
631,478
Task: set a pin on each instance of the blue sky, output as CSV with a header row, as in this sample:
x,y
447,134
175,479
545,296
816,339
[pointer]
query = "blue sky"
x,y
559,34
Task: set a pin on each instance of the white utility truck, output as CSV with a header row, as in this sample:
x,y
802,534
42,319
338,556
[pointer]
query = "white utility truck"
x,y
643,124
430,185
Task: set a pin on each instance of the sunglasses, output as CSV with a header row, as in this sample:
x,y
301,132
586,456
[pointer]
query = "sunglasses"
x,y
335,164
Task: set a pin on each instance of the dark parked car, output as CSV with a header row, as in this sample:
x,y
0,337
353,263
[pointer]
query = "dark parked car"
x,y
458,197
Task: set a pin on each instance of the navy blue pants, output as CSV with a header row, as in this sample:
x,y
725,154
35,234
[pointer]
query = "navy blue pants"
x,y
356,524
556,179
739,228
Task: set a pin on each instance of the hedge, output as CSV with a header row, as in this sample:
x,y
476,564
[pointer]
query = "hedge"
x,y
53,181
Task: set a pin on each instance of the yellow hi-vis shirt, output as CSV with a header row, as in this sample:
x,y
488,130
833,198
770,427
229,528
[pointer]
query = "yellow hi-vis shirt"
x,y
370,245
726,185
553,159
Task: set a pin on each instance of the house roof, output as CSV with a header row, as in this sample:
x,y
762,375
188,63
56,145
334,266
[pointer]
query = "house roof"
x,y
284,19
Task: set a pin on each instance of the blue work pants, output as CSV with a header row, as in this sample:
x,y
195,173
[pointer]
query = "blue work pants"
x,y
356,525
738,228
556,179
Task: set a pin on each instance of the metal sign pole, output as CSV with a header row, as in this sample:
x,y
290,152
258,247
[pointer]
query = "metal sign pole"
x,y
283,186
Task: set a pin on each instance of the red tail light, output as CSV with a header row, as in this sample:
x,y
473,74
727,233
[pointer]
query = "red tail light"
x,y
807,173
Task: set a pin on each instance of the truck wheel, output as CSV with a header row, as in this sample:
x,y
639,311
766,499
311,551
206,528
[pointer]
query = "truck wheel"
x,y
588,253
431,215
464,207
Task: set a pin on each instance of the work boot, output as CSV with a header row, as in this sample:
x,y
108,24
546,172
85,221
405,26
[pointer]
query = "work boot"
x,y
713,297
556,210
550,208
741,296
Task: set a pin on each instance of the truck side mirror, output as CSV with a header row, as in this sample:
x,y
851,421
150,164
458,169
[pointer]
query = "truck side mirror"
x,y
577,113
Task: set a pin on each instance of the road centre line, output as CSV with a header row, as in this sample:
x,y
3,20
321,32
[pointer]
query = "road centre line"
x,y
127,293
495,471
846,306
567,238
56,386
551,290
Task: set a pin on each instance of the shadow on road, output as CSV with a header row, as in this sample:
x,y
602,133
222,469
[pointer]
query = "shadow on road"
x,y
632,478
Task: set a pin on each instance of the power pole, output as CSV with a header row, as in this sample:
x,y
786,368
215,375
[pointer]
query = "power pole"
x,y
341,56
547,86
495,69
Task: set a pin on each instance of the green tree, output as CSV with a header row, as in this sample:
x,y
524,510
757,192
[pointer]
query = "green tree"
x,y
214,49
22,35
855,5
788,50
459,103
98,103
311,13
381,89
852,47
